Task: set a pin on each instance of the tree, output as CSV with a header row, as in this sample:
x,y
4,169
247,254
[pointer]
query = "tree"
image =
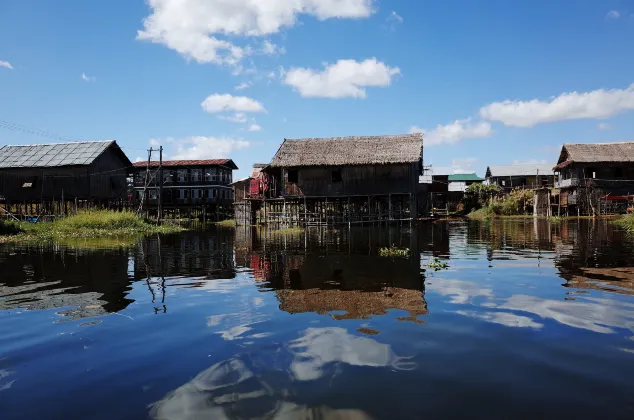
x,y
478,195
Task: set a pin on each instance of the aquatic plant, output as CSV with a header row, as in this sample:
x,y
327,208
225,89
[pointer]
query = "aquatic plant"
x,y
394,252
88,224
10,227
438,264
227,223
288,231
626,222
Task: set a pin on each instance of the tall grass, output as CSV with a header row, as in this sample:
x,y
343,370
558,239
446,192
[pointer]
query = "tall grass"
x,y
626,222
86,224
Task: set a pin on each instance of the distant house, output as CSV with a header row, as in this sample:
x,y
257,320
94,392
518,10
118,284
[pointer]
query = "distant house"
x,y
186,183
595,177
460,182
91,171
341,179
508,177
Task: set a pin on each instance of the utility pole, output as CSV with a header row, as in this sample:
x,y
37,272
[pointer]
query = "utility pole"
x,y
159,218
147,179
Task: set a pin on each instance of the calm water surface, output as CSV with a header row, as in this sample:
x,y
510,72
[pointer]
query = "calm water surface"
x,y
530,320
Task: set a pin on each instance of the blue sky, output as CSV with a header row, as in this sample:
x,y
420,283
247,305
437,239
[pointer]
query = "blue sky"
x,y
489,82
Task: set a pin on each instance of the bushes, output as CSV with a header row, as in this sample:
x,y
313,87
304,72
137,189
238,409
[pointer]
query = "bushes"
x,y
10,228
102,219
517,202
478,196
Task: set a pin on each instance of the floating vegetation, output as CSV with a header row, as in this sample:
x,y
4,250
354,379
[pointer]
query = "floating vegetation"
x,y
288,231
227,223
85,225
394,252
626,222
437,264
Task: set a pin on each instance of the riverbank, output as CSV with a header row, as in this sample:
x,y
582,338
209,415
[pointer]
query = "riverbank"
x,y
84,225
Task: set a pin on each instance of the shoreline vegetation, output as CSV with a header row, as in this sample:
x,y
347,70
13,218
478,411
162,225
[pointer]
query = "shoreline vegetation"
x,y
92,224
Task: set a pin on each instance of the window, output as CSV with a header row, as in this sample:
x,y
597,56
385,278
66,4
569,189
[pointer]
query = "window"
x,y
229,177
503,183
183,194
196,175
182,175
208,174
293,176
153,194
618,172
214,193
336,176
139,177
591,173
168,176
195,194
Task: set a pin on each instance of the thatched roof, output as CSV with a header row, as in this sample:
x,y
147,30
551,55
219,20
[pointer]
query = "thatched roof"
x,y
368,150
596,153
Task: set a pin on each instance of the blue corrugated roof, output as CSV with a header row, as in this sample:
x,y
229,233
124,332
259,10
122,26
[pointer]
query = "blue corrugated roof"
x,y
49,155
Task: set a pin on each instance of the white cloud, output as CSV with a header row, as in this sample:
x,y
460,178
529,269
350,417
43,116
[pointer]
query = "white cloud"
x,y
254,127
613,14
454,132
393,20
238,117
599,103
269,48
6,65
139,159
243,86
87,78
154,143
192,27
604,126
345,78
221,103
202,147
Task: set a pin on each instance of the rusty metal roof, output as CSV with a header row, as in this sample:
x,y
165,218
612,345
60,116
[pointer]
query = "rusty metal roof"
x,y
206,162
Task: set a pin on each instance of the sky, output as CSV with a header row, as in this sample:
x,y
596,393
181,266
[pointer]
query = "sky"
x,y
489,82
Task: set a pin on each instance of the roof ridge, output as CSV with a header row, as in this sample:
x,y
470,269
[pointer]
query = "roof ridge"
x,y
354,137
56,144
599,144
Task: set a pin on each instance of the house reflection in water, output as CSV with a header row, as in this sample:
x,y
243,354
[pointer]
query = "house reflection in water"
x,y
84,283
337,272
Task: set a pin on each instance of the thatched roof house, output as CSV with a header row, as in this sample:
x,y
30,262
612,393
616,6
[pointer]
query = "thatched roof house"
x,y
337,151
595,153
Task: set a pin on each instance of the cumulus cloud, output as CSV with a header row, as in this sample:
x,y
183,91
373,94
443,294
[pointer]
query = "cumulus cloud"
x,y
193,27
6,65
221,103
613,14
238,117
202,147
599,103
269,48
87,78
345,78
454,132
243,86
254,127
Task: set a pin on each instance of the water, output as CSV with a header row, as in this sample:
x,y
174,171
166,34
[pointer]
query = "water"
x,y
530,320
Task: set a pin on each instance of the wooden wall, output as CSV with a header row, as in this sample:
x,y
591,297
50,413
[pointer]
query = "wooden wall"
x,y
355,180
108,175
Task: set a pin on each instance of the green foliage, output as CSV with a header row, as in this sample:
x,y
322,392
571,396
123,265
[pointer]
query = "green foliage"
x,y
288,231
227,223
626,222
517,202
478,195
394,252
88,224
9,227
437,264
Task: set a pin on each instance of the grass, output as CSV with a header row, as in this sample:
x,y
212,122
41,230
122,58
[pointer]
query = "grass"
x,y
227,223
394,252
626,222
86,225
288,231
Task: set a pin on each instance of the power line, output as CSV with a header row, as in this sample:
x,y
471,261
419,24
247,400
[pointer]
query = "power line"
x,y
8,125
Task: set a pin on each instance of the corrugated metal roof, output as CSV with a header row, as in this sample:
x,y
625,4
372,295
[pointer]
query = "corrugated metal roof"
x,y
155,163
519,170
50,155
465,177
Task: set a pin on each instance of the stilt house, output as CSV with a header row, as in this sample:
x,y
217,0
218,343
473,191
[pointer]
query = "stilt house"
x,y
342,180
